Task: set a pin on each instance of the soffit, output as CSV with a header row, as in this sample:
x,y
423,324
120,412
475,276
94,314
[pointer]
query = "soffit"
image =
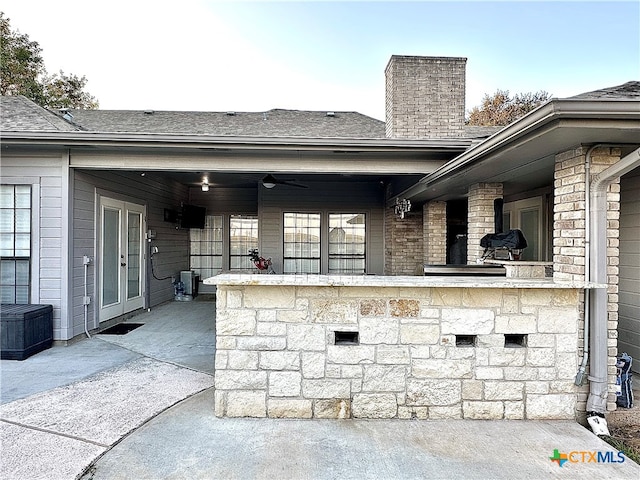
x,y
527,160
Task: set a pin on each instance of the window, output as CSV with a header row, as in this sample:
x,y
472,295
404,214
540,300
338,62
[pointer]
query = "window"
x,y
243,236
15,243
347,243
206,247
301,243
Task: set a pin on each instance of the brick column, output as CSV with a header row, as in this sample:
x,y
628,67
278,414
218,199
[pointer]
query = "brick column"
x,y
403,243
435,233
569,238
481,219
569,216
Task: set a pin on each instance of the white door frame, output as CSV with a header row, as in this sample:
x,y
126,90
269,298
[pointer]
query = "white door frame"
x,y
122,299
515,211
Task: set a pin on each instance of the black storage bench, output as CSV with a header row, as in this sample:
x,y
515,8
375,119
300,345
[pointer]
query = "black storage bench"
x,y
25,330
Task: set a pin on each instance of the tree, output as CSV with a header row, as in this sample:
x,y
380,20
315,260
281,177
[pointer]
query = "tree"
x,y
500,109
67,91
22,72
21,64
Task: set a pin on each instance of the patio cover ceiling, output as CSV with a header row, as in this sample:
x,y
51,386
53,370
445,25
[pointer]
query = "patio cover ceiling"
x,y
243,159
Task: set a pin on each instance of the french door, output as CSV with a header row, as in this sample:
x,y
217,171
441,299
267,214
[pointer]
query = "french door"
x,y
527,216
121,253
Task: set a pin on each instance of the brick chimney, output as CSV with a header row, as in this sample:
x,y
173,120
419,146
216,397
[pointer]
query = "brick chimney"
x,y
425,97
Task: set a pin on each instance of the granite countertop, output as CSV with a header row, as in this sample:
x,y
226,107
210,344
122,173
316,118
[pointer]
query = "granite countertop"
x,y
391,281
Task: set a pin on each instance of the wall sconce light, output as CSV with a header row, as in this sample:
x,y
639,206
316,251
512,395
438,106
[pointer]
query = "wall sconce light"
x,y
205,184
402,207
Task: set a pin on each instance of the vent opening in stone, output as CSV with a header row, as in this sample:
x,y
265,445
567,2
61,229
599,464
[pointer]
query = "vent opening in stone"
x,y
346,338
515,341
466,340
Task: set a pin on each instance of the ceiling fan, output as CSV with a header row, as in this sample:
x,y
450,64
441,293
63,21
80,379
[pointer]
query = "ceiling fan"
x,y
270,181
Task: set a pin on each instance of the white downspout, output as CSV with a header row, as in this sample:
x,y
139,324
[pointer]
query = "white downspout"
x,y
598,387
580,376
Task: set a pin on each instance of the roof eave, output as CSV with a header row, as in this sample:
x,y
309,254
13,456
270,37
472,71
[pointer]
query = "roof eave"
x,y
544,115
93,139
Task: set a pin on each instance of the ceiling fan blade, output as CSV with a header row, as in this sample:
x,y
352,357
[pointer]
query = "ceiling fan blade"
x,y
270,181
293,184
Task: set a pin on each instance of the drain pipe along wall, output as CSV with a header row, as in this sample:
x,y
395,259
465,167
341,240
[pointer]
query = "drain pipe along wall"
x,y
598,386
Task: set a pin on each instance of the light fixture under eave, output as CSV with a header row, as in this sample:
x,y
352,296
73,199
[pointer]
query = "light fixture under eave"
x,y
402,207
269,181
205,183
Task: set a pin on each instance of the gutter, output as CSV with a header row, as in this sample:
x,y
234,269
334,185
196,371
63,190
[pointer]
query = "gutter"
x,y
94,139
598,387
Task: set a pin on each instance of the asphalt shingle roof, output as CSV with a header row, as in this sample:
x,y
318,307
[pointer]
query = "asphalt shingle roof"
x,y
18,113
273,123
626,91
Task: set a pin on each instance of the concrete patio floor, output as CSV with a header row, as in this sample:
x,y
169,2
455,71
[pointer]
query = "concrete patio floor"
x,y
141,406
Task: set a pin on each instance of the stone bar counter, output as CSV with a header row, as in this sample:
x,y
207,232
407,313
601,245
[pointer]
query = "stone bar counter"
x,y
319,346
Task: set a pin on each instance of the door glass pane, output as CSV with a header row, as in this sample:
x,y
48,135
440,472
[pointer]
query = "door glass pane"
x,y
110,256
134,236
530,226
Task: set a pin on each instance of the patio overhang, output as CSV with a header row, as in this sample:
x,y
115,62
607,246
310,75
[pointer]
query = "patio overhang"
x,y
522,155
203,153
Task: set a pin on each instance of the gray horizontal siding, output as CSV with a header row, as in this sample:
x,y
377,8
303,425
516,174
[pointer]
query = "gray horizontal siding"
x,y
231,201
48,264
629,286
156,193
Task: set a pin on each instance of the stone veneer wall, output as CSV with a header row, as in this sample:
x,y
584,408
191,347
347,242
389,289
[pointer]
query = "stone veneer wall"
x,y
276,355
569,241
403,242
435,233
481,218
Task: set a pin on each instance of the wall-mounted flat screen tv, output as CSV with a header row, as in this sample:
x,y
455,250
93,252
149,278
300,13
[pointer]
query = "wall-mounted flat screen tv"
x,y
193,216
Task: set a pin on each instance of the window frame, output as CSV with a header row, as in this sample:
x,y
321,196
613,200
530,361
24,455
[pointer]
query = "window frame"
x,y
34,252
309,258
325,215
245,254
192,232
347,256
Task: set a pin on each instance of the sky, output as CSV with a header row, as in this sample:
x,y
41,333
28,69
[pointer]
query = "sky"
x,y
214,55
